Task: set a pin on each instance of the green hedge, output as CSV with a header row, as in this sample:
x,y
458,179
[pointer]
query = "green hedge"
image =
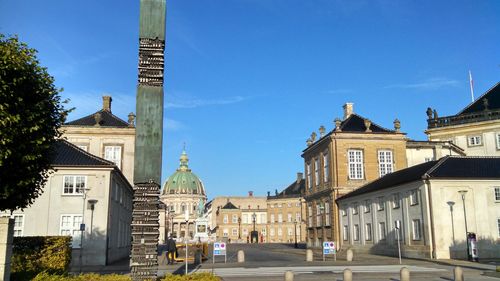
x,y
44,276
32,255
192,277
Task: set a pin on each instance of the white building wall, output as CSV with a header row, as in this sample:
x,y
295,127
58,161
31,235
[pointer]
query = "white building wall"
x,y
483,212
405,213
43,218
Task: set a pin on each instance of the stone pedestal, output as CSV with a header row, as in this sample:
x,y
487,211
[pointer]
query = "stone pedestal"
x,y
201,230
6,238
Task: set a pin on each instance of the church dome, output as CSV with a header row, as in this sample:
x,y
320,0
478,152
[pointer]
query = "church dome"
x,y
183,181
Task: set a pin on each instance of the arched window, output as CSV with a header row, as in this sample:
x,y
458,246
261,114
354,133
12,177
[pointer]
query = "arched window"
x,y
183,208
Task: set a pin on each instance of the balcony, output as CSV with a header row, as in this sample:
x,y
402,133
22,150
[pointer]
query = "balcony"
x,y
454,120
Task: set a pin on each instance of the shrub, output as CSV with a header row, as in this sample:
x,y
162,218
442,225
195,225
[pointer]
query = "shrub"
x,y
32,255
192,277
44,276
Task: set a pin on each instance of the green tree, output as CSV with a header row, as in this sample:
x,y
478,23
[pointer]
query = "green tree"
x,y
31,113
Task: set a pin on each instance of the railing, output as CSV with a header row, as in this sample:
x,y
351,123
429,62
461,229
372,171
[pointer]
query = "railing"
x,y
463,119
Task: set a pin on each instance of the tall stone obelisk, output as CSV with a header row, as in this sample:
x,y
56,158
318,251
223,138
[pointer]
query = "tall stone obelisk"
x,y
148,140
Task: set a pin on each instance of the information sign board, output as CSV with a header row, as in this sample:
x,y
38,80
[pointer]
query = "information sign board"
x,y
329,249
220,250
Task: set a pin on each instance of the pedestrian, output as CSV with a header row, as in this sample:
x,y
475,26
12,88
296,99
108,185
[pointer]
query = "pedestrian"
x,y
171,249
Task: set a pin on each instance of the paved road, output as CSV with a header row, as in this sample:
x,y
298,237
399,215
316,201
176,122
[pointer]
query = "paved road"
x,y
270,261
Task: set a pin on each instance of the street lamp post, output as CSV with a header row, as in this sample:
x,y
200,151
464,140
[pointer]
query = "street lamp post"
x,y
462,193
239,227
451,204
295,228
254,217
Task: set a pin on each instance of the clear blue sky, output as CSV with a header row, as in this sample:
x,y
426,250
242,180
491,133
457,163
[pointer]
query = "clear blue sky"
x,y
247,81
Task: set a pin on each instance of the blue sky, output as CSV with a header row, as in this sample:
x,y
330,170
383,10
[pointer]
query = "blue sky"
x,y
247,81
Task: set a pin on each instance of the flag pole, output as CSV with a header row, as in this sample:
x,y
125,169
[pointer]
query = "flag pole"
x,y
471,82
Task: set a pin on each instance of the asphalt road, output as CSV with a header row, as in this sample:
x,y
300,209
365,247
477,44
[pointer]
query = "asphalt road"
x,y
270,261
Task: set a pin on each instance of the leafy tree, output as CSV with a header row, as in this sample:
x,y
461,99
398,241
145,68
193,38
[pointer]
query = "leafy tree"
x,y
31,113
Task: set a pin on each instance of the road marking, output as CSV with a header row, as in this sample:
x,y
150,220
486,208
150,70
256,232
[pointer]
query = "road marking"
x,y
271,271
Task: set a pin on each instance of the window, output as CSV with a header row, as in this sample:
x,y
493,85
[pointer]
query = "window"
x,y
474,140
226,219
263,218
245,232
498,222
497,193
368,207
113,154
416,230
326,164
290,231
316,171
385,165
70,226
498,141
345,233
74,185
244,219
413,197
234,231
289,217
280,218
183,209
280,205
368,232
344,212
356,232
225,232
308,175
272,218
18,225
355,209
235,219
395,201
264,231
271,231
280,232
381,230
380,205
289,205
297,217
318,215
355,164
428,159
327,213
297,204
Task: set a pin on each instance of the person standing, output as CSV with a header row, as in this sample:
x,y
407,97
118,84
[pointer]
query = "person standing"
x,y
171,249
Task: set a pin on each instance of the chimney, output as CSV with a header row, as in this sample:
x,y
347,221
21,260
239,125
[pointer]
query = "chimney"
x,y
299,176
348,109
106,103
250,194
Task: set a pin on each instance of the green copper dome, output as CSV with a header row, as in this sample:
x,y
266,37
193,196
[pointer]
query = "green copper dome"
x,y
183,181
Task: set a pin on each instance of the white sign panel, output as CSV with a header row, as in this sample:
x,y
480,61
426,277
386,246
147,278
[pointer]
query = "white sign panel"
x,y
219,248
329,248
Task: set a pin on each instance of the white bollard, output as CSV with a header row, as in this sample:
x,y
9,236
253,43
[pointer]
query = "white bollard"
x,y
241,256
458,274
349,255
347,274
404,274
288,275
309,255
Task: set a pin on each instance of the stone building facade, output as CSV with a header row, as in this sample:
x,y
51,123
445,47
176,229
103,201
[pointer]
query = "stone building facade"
x,y
285,213
105,135
182,192
476,128
235,217
354,153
